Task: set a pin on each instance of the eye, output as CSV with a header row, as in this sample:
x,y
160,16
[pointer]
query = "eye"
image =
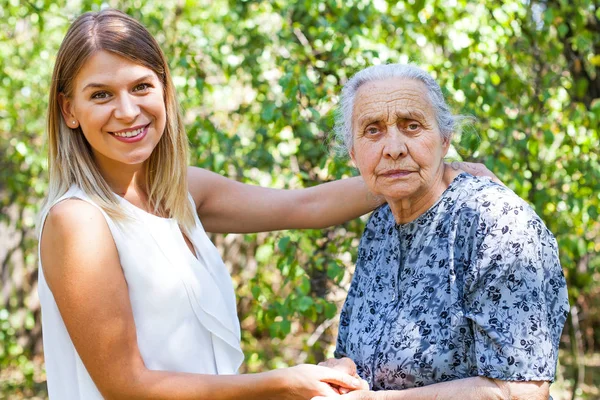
x,y
413,126
101,95
372,130
142,87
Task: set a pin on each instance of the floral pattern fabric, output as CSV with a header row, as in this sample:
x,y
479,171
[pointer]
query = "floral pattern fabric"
x,y
472,287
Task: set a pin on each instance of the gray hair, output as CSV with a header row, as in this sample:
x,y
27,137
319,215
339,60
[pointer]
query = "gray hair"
x,y
447,123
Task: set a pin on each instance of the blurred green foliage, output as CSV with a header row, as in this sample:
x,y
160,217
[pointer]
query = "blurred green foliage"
x,y
258,82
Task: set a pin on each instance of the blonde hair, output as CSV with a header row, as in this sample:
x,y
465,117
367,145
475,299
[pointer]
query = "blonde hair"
x,y
70,160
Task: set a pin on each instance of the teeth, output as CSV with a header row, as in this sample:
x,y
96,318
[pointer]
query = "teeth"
x,y
130,133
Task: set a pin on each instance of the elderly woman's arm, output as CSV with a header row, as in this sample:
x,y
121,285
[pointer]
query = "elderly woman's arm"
x,y
475,388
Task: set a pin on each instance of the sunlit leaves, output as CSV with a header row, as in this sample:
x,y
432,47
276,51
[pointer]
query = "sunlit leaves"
x,y
258,82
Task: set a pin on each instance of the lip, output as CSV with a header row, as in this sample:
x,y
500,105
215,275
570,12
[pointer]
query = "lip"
x,y
133,128
395,173
134,138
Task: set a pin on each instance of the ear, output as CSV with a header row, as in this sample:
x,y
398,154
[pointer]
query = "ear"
x,y
352,157
66,108
446,145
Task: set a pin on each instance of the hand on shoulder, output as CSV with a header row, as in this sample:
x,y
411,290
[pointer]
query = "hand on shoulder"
x,y
475,169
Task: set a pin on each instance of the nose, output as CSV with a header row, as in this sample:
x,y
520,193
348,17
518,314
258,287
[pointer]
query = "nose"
x,y
395,144
127,109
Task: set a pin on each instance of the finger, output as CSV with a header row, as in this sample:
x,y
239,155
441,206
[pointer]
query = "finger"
x,y
362,395
329,391
347,369
498,181
335,388
476,169
348,364
344,364
472,168
482,171
330,363
339,378
365,385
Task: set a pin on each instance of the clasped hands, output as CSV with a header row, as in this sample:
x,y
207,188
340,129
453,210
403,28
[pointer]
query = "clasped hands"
x,y
347,366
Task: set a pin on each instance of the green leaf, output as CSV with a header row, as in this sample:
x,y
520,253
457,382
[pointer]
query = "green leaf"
x,y
562,30
304,287
286,327
283,243
330,310
268,112
264,252
305,303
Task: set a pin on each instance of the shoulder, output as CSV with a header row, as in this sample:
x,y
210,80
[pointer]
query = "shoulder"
x,y
497,221
201,183
493,202
71,213
74,228
77,248
472,190
194,181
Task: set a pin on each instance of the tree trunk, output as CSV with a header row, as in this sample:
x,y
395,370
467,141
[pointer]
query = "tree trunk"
x,y
576,350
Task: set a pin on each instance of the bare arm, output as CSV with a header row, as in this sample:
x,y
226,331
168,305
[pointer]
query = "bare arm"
x,y
475,388
81,266
226,206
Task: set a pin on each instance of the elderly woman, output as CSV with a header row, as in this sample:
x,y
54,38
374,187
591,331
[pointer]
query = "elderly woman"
x,y
458,291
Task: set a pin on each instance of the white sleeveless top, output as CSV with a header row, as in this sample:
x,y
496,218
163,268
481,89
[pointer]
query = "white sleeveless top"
x,y
184,307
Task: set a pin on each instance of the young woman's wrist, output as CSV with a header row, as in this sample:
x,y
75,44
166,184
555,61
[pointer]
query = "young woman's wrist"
x,y
275,383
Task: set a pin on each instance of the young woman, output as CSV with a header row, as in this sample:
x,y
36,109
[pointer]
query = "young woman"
x,y
136,301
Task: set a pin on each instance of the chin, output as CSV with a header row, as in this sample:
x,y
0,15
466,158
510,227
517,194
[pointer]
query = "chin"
x,y
138,161
398,194
396,197
138,158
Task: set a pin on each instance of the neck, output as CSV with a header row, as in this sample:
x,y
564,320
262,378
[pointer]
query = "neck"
x,y
123,179
409,209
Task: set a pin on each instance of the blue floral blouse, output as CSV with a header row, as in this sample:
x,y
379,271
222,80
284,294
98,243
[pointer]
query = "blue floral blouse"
x,y
471,287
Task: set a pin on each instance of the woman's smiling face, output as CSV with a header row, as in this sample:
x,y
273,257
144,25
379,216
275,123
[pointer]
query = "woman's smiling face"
x,y
120,108
397,146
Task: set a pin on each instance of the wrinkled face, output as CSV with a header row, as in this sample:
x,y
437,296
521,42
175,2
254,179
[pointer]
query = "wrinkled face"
x,y
120,108
397,144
